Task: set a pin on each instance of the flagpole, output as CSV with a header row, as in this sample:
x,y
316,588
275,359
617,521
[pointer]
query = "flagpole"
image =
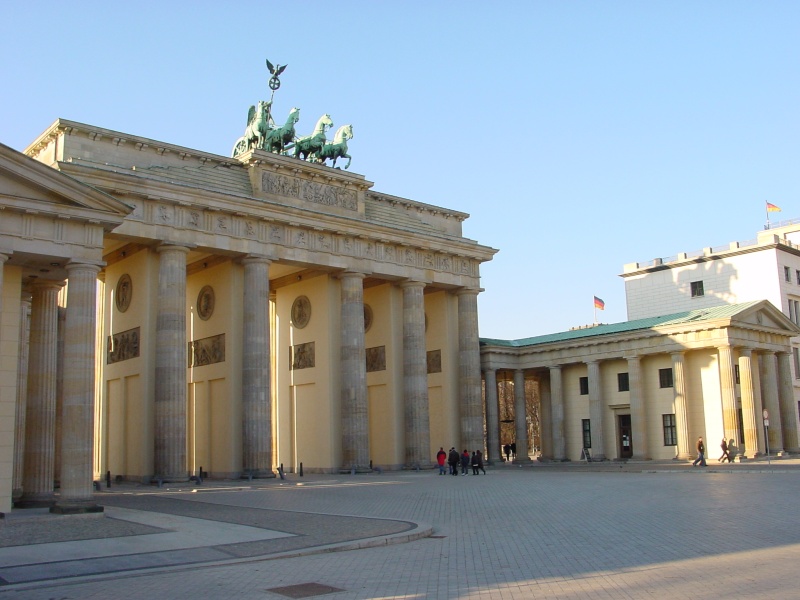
x,y
766,209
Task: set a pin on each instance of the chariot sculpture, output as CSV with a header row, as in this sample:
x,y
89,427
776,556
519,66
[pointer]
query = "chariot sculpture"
x,y
261,132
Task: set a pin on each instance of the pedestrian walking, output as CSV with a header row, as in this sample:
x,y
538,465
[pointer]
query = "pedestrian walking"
x,y
507,452
726,454
480,462
701,451
474,463
465,462
452,461
441,459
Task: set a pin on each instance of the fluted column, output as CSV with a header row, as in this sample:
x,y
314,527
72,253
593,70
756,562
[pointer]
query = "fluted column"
x,y
520,418
727,380
469,370
639,440
596,411
22,392
492,417
77,416
771,403
256,403
171,365
788,405
545,417
355,418
750,449
415,377
557,404
40,411
681,416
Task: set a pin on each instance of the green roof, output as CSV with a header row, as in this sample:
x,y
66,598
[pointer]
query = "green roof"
x,y
692,316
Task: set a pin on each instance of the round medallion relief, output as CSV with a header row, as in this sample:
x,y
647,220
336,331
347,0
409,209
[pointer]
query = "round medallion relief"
x,y
205,303
301,312
367,317
123,293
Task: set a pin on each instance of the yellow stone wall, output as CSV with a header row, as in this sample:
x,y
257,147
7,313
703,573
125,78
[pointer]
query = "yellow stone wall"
x,y
9,341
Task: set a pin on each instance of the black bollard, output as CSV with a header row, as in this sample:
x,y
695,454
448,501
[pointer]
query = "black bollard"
x,y
96,486
108,479
200,476
370,465
301,469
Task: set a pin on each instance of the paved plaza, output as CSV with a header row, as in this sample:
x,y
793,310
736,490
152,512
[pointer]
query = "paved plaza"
x,y
647,530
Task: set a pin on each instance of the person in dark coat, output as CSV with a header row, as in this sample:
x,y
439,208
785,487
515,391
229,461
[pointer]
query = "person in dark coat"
x,y
507,452
452,461
465,463
479,455
726,454
701,452
474,464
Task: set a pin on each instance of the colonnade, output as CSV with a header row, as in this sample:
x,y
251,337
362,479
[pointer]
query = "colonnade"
x,y
766,388
36,419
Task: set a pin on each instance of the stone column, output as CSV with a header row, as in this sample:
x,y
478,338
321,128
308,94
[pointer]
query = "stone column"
x,y
596,411
77,416
355,417
638,410
492,417
171,365
545,416
681,416
788,405
22,392
727,380
469,370
772,404
557,404
520,418
256,397
40,411
750,449
415,377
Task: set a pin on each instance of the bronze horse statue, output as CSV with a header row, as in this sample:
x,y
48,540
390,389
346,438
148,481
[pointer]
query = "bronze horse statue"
x,y
278,138
310,145
338,148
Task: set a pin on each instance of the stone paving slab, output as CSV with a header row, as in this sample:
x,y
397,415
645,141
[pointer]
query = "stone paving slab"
x,y
515,533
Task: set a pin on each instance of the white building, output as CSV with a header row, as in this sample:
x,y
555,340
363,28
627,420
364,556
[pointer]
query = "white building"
x,y
766,268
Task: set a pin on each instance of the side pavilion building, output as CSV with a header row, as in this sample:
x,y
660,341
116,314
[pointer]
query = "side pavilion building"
x,y
646,389
223,315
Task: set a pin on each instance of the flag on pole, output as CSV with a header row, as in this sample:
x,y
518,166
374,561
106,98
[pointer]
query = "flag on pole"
x,y
599,303
773,208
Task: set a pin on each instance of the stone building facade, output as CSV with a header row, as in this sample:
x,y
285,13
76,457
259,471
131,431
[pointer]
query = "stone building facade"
x,y
646,389
229,315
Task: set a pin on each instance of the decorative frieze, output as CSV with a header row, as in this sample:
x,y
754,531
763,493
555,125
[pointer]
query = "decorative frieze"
x,y
434,360
207,351
302,356
318,193
376,359
123,346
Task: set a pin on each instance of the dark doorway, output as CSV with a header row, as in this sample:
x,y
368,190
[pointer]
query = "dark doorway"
x,y
625,439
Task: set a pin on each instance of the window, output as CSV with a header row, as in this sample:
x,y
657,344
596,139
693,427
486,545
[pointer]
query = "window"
x,y
736,374
622,382
665,378
584,383
697,289
796,311
796,355
587,433
670,435
787,274
797,275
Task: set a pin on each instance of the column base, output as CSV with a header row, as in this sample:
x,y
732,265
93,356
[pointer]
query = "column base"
x,y
258,474
76,508
522,460
43,501
422,466
354,470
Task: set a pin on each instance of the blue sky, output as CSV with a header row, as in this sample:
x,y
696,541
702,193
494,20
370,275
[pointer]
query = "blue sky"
x,y
579,136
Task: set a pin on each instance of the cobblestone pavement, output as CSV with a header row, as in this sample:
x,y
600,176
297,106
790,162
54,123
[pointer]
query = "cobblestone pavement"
x,y
630,531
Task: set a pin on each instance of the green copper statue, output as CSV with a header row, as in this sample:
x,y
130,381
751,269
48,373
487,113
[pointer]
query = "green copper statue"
x,y
277,139
338,148
310,145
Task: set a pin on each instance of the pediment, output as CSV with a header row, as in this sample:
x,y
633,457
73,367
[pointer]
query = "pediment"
x,y
28,185
765,314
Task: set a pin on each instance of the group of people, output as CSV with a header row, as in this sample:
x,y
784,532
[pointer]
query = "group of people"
x,y
701,453
453,459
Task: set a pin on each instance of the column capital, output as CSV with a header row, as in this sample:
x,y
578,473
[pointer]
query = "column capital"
x,y
746,352
88,266
348,274
168,247
4,256
251,259
411,283
468,291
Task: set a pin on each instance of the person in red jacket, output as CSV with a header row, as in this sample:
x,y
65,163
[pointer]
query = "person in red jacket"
x,y
441,458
